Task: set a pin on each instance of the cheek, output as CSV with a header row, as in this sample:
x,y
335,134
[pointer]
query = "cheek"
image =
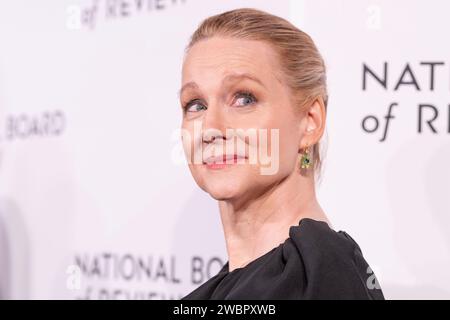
x,y
288,145
280,142
187,146
189,143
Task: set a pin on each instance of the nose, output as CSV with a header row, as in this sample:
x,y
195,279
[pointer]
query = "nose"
x,y
213,124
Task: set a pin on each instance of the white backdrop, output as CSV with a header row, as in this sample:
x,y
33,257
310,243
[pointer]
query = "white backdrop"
x,y
95,202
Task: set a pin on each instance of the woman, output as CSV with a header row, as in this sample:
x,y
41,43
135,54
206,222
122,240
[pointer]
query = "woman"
x,y
254,102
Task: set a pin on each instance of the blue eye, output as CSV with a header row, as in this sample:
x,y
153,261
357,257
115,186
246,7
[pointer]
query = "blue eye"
x,y
194,106
247,96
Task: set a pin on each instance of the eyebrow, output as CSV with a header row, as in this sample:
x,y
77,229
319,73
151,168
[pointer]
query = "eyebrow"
x,y
230,77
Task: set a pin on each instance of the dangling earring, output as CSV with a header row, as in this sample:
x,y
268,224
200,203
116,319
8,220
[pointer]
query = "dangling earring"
x,y
305,161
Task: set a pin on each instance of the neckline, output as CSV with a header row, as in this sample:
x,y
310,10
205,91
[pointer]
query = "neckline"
x,y
225,268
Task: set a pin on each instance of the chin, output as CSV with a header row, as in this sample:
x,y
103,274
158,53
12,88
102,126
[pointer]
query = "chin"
x,y
223,189
221,195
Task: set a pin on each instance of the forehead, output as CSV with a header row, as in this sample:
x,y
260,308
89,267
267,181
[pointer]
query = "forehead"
x,y
218,55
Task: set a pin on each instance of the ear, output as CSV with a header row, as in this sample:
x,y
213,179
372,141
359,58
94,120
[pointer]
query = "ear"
x,y
313,124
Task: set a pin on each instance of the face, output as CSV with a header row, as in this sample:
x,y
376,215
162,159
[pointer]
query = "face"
x,y
241,132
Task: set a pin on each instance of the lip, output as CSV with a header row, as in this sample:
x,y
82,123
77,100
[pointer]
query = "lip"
x,y
222,161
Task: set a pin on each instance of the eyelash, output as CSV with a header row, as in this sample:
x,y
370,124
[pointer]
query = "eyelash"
x,y
246,94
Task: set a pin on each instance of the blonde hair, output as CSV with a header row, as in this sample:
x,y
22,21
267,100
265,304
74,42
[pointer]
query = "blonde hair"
x,y
301,64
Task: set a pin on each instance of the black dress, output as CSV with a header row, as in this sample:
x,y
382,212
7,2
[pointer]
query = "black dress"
x,y
315,262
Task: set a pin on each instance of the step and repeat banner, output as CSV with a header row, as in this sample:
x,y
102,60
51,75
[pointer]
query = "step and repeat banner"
x,y
96,200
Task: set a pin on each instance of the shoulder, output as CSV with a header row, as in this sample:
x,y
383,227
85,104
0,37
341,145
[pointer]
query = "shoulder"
x,y
332,262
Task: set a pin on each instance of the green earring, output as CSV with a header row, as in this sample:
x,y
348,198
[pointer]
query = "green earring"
x,y
305,161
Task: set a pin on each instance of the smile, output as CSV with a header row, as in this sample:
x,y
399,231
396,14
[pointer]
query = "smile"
x,y
222,161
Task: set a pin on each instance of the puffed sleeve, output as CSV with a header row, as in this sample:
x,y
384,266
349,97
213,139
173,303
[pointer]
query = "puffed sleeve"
x,y
332,263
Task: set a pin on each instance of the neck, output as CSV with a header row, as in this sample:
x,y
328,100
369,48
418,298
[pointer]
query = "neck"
x,y
253,227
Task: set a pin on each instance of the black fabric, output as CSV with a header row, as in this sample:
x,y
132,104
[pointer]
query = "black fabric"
x,y
315,262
